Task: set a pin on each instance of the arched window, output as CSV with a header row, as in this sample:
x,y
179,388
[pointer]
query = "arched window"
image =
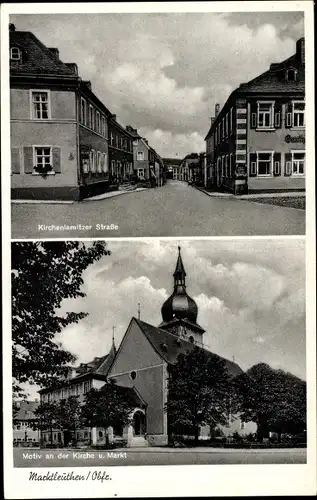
x,y
291,75
191,339
15,54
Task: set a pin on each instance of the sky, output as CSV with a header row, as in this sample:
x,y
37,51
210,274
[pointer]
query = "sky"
x,y
163,73
250,295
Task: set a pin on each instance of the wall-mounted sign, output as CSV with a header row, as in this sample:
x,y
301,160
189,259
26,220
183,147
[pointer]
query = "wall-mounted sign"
x,y
241,170
297,138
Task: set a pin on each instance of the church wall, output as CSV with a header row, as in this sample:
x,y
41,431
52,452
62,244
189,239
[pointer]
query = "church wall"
x,y
135,352
149,384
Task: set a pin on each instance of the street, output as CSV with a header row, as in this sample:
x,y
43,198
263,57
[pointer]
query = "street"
x,y
175,209
26,457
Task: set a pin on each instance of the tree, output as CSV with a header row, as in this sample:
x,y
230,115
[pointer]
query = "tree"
x,y
70,415
43,275
274,399
47,418
198,392
109,406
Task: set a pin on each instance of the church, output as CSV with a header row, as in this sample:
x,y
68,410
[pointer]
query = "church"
x,y
140,368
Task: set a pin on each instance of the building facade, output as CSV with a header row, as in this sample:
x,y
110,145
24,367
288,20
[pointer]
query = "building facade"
x,y
147,163
256,142
65,143
24,430
120,152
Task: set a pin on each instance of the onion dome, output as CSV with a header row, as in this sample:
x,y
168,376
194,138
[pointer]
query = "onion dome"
x,y
179,305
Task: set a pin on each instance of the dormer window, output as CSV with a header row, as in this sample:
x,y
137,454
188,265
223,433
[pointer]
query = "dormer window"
x,y
291,75
15,54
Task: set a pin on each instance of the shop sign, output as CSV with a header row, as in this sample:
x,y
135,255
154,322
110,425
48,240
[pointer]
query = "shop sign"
x,y
297,138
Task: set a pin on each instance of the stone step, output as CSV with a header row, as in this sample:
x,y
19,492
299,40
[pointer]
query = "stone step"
x,y
138,442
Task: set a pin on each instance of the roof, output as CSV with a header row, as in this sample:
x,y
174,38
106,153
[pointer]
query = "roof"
x,y
172,161
26,410
130,393
169,346
271,81
37,58
97,368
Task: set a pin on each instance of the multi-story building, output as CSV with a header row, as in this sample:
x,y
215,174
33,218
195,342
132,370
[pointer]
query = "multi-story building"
x,y
24,428
172,166
148,165
189,167
120,152
256,142
59,127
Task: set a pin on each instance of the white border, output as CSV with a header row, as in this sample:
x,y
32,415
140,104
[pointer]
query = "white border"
x,y
178,481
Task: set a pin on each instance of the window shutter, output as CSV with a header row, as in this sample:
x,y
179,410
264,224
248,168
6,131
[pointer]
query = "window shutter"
x,y
277,114
252,172
57,160
253,111
288,164
28,159
288,115
277,164
15,161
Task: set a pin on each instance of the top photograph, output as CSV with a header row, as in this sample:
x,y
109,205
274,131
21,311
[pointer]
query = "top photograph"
x,y
167,124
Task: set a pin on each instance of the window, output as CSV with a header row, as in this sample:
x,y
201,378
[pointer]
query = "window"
x,y
231,119
298,113
265,163
91,117
111,138
87,386
98,122
265,115
40,105
103,126
140,155
42,157
76,390
242,425
15,54
92,160
141,173
227,124
291,75
100,434
83,111
99,169
298,162
105,163
133,375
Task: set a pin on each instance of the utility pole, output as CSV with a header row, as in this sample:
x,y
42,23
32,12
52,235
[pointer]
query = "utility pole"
x,y
139,310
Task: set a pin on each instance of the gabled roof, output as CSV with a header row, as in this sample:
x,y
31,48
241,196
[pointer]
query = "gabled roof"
x,y
26,410
97,368
273,80
37,58
169,346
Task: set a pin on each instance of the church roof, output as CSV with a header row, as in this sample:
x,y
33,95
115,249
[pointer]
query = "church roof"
x,y
169,346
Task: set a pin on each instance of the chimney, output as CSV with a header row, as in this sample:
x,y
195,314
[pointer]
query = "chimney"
x,y
212,119
11,27
54,51
300,50
114,117
36,400
217,109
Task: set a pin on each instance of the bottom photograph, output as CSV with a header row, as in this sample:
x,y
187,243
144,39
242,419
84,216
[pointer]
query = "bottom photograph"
x,y
158,352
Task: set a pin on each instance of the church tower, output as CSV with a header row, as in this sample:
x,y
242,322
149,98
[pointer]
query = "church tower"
x,y
179,311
